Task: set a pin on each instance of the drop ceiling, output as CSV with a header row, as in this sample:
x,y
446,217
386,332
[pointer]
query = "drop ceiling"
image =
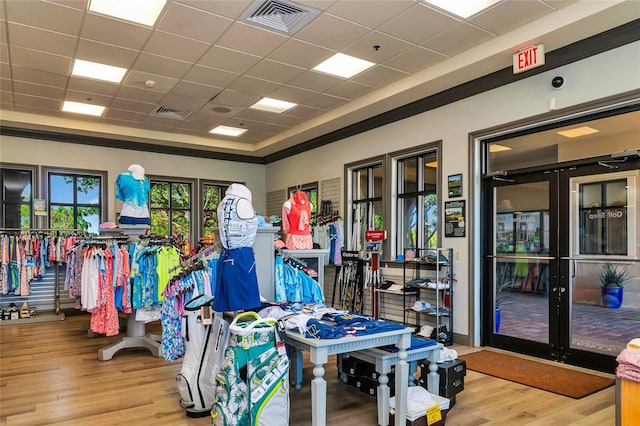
x,y
206,64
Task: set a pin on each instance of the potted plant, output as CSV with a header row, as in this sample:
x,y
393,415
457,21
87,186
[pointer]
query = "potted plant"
x,y
501,298
612,279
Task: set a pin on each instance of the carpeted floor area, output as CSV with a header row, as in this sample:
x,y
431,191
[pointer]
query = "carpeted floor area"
x,y
559,380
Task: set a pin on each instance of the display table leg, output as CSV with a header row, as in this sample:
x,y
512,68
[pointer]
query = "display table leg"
x,y
319,396
136,338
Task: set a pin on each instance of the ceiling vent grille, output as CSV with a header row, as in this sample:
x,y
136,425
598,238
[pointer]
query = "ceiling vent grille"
x,y
285,17
164,111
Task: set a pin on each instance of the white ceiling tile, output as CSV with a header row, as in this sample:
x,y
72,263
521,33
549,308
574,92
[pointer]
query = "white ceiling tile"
x,y
507,15
325,101
40,39
38,76
122,115
49,16
350,90
257,126
38,90
40,60
379,76
113,31
161,65
138,80
193,23
87,97
6,99
228,60
47,112
268,117
108,54
175,47
253,86
235,99
229,8
5,71
4,53
210,76
183,102
198,126
274,71
75,4
388,47
319,4
559,4
305,112
418,24
155,122
370,13
139,94
341,34
133,106
315,81
195,90
93,86
458,39
415,59
301,54
39,102
292,94
250,39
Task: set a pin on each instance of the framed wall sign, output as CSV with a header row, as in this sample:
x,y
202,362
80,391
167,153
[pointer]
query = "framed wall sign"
x,y
454,183
454,218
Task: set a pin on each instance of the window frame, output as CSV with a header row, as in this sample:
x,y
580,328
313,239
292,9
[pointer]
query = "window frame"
x,y
193,204
34,190
419,152
223,185
102,174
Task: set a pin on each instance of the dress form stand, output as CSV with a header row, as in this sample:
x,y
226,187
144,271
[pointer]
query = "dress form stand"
x,y
137,337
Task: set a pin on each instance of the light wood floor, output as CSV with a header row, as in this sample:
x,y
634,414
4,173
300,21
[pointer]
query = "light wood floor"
x,y
50,375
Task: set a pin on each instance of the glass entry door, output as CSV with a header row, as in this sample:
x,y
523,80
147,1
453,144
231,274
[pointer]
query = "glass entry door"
x,y
548,236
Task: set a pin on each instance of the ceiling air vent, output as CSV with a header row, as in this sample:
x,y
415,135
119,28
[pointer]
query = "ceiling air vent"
x,y
285,17
164,111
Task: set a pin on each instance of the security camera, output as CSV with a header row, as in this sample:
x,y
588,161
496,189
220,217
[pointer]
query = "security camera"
x,y
557,82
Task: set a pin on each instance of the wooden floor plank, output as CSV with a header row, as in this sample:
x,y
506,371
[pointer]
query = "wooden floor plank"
x,y
50,375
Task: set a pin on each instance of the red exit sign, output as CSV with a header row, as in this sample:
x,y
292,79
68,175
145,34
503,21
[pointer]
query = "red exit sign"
x,y
527,58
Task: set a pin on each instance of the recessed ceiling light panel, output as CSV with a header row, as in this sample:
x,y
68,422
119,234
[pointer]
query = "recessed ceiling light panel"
x,y
97,71
272,105
144,12
80,108
462,8
578,131
343,65
227,131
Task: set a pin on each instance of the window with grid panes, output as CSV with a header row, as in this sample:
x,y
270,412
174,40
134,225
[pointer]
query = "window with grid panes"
x,y
75,200
17,197
171,208
417,201
211,194
367,197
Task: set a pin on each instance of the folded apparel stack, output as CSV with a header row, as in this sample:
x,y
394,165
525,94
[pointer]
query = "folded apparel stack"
x,y
418,400
629,362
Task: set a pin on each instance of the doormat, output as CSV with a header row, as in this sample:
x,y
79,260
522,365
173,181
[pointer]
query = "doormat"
x,y
560,380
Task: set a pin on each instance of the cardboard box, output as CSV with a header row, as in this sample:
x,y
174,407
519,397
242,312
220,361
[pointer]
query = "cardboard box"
x,y
422,421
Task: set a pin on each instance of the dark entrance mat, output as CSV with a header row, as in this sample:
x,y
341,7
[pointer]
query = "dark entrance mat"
x,y
560,380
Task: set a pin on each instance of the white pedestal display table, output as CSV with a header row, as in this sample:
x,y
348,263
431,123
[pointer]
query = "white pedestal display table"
x,y
320,349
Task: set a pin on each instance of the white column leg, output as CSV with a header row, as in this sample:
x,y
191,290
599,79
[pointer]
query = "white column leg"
x,y
433,379
402,376
383,399
319,397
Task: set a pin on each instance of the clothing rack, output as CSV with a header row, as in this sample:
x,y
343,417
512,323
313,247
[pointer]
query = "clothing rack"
x,y
57,232
291,260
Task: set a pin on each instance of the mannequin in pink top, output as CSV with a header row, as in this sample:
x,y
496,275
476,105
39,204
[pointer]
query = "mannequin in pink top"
x,y
296,222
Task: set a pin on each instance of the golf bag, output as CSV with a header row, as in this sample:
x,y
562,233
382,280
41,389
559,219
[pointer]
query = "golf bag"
x,y
252,387
206,334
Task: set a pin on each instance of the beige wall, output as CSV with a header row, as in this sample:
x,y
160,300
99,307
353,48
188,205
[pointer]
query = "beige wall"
x,y
115,161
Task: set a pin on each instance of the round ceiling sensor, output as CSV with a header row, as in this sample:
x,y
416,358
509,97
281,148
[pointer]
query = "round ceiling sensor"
x,y
221,109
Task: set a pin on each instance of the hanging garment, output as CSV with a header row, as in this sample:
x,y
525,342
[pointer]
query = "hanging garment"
x,y
296,222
